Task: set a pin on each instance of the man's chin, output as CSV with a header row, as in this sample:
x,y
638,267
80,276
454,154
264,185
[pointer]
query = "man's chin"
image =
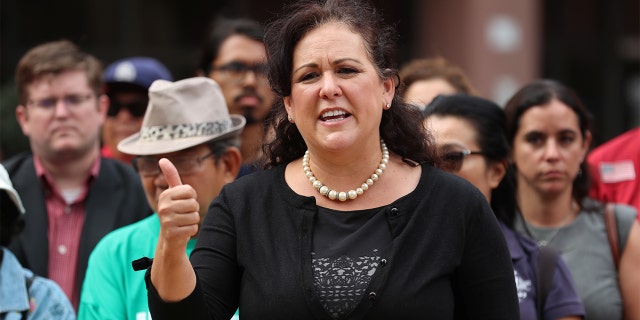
x,y
251,114
66,152
251,119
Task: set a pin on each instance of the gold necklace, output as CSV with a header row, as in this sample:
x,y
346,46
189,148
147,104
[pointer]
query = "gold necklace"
x,y
351,194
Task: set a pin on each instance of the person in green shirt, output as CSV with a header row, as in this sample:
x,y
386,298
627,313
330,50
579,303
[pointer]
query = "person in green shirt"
x,y
187,122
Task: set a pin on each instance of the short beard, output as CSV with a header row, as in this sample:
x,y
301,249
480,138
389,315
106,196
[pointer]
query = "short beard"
x,y
248,115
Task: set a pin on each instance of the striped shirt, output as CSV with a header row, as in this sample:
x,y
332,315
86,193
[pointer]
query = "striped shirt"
x,y
65,212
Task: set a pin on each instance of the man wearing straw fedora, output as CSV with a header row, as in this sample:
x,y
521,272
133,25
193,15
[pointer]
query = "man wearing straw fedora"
x,y
187,122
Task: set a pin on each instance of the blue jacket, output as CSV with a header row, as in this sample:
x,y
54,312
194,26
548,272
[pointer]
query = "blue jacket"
x,y
44,299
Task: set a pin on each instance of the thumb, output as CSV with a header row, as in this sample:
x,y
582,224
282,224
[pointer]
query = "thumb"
x,y
170,172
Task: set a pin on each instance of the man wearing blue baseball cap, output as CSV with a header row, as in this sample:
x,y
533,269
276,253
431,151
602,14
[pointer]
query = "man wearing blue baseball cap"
x,y
127,82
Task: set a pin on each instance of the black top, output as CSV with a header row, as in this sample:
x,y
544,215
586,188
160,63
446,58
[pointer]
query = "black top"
x,y
346,253
447,258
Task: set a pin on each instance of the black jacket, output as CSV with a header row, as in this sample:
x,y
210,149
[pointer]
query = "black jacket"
x,y
115,199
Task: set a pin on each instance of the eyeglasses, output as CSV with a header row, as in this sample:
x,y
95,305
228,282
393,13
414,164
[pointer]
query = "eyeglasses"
x,y
70,101
148,166
136,108
237,71
451,161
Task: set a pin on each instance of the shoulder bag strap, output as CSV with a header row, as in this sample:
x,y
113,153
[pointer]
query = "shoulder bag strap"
x,y
547,259
612,232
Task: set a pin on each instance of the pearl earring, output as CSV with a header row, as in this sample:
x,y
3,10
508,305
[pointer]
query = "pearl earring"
x,y
289,118
388,106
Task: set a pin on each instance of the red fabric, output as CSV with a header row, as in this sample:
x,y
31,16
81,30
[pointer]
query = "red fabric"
x,y
65,223
106,152
615,168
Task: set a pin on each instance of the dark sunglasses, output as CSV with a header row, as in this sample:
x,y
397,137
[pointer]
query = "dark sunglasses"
x,y
136,109
451,161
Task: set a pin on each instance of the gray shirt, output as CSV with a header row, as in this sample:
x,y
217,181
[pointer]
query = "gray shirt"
x,y
584,246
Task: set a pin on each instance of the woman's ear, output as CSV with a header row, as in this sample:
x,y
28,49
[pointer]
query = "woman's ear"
x,y
496,172
389,90
586,143
288,108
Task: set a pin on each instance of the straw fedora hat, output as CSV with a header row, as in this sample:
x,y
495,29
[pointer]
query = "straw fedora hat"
x,y
181,115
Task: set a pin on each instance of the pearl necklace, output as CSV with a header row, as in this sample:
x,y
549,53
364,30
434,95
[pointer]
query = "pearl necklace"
x,y
351,194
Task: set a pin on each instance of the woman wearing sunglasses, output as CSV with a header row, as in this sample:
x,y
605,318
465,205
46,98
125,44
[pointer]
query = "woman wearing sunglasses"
x,y
471,139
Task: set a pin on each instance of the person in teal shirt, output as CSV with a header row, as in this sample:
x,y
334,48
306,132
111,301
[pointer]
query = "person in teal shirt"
x,y
187,122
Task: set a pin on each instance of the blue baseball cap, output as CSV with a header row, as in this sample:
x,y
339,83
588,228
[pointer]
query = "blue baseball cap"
x,y
139,71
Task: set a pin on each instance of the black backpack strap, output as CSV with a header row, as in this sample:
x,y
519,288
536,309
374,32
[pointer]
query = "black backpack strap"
x,y
547,259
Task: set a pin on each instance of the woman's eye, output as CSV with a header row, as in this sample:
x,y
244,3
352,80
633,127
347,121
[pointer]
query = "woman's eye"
x,y
566,139
533,139
308,76
347,70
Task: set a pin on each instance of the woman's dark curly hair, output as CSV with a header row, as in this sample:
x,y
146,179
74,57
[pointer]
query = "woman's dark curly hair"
x,y
539,93
401,126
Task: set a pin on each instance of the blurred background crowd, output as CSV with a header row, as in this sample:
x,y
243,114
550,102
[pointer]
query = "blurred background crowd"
x,y
591,45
